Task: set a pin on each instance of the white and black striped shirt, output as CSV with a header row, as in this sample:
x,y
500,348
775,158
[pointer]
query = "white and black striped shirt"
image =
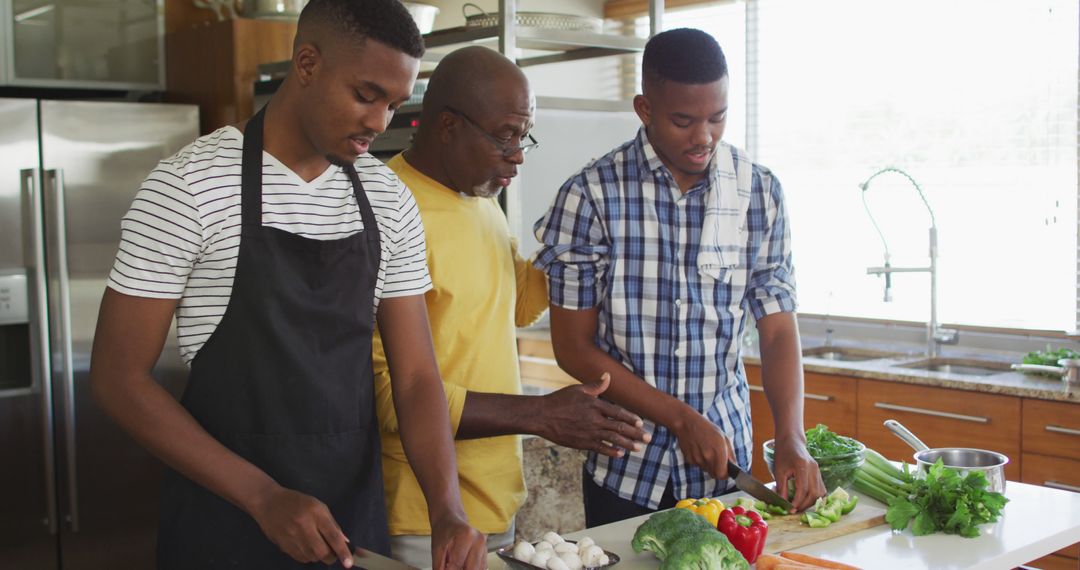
x,y
181,237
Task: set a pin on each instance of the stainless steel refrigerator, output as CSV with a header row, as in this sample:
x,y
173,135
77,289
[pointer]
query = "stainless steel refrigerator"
x,y
75,491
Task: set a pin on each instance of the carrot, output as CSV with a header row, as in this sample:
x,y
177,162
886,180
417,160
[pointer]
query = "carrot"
x,y
815,561
774,562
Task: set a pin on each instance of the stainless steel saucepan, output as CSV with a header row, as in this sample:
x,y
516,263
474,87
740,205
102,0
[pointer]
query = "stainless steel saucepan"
x,y
963,459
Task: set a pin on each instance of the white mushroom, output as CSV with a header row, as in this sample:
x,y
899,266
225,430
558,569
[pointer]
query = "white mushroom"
x,y
584,543
573,562
524,551
604,561
556,563
591,556
553,537
541,558
565,547
542,545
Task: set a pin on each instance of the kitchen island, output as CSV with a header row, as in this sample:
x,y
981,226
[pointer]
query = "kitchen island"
x,y
1036,521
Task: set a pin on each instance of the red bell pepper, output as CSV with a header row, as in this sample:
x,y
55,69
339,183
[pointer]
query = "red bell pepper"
x,y
746,531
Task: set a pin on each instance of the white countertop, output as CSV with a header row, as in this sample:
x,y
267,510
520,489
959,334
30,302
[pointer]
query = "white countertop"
x,y
1037,521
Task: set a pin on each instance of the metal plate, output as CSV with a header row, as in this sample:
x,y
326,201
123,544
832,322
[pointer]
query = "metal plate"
x,y
540,20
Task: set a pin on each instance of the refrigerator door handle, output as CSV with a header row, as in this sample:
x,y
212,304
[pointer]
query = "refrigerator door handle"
x,y
54,179
31,189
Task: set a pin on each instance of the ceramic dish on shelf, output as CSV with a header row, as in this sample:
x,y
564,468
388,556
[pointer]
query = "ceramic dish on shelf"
x,y
477,17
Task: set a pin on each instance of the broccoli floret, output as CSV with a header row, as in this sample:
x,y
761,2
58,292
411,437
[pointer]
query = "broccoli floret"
x,y
705,551
662,529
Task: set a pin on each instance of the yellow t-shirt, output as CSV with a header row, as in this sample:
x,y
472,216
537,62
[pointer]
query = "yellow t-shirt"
x,y
482,290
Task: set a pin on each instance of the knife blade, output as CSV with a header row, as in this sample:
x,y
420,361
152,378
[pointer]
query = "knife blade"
x,y
756,489
369,560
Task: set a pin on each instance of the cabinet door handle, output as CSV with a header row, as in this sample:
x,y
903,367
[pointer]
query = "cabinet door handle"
x,y
807,395
935,413
1064,430
1061,486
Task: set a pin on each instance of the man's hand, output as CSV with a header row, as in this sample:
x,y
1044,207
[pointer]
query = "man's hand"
x,y
454,545
703,444
576,417
793,463
302,527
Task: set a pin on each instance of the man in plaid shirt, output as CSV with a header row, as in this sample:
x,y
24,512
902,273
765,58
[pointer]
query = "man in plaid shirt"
x,y
654,253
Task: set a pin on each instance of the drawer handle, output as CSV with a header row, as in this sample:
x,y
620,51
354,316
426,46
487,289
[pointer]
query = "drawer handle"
x,y
935,413
808,395
1061,486
538,360
1064,430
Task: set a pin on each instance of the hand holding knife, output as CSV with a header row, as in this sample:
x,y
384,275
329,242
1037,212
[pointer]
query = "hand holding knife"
x,y
756,489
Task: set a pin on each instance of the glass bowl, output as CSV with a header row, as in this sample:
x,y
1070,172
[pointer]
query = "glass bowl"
x,y
836,470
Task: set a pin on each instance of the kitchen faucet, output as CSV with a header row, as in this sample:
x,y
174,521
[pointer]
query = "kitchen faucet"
x,y
935,334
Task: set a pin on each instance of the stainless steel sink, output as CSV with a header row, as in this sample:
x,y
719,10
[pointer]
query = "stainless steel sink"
x,y
846,354
962,366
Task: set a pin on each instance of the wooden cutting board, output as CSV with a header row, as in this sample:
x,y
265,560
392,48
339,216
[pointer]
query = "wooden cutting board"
x,y
787,533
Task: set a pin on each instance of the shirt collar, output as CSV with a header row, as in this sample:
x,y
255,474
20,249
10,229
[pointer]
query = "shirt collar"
x,y
650,162
648,159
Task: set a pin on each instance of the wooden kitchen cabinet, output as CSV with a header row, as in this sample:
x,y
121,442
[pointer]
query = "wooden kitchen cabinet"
x,y
1052,428
1052,458
215,65
941,418
829,399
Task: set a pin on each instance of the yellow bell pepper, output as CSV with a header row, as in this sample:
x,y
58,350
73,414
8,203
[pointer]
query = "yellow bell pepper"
x,y
709,509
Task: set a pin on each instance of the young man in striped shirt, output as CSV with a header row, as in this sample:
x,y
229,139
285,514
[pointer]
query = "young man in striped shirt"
x,y
274,258
654,253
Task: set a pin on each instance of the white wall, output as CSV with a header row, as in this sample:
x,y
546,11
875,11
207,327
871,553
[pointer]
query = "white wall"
x,y
568,141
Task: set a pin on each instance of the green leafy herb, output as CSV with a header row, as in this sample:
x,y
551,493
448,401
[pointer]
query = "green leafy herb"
x,y
821,442
1049,357
946,502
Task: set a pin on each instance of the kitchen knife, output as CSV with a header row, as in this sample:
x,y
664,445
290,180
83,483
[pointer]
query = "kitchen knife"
x,y
369,560
756,489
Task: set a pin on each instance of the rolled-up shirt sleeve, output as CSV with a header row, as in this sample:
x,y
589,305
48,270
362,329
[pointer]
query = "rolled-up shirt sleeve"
x,y
771,288
574,249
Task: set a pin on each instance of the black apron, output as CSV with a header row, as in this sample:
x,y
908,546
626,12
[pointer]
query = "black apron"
x,y
285,381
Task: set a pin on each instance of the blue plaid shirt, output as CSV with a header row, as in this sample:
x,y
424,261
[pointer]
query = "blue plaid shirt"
x,y
621,235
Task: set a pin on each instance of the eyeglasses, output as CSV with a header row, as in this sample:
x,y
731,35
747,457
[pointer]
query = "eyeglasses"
x,y
507,149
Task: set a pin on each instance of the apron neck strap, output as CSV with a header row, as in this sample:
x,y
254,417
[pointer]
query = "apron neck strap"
x,y
251,171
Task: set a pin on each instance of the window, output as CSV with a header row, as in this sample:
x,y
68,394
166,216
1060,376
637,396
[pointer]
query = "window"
x,y
975,99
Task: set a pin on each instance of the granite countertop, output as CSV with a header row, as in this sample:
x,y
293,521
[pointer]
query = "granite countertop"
x,y
889,367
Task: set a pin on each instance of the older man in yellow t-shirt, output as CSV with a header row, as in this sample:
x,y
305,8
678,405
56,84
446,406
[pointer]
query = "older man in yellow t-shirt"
x,y
473,135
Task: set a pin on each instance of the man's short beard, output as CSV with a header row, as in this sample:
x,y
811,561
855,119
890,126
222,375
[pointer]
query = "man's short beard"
x,y
480,192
